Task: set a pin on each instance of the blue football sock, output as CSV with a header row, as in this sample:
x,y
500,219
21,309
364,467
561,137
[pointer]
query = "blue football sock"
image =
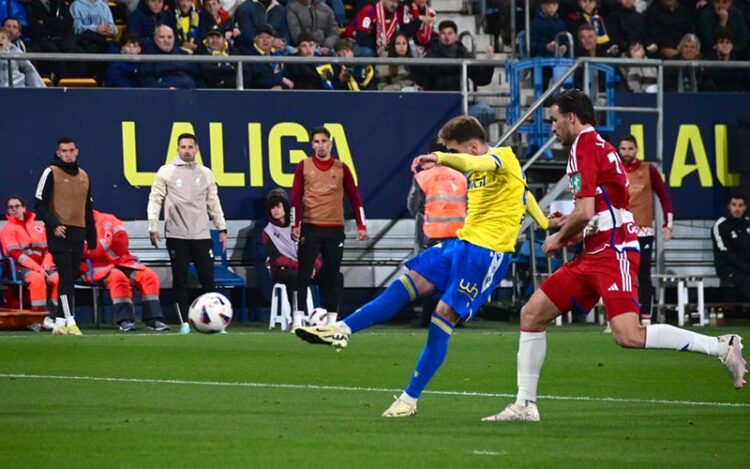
x,y
398,294
433,355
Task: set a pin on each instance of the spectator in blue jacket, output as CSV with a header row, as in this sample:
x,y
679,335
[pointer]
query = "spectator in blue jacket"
x,y
253,14
544,27
168,74
267,75
144,20
126,74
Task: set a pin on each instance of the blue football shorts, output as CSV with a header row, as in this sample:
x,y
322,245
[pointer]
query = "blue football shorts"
x,y
465,274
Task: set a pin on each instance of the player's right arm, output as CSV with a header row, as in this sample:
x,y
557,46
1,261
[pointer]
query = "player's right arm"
x,y
155,201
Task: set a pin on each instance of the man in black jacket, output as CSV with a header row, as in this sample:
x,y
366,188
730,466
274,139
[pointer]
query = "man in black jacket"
x,y
448,78
64,204
731,239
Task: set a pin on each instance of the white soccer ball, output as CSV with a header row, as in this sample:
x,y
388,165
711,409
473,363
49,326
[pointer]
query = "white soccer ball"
x,y
318,317
210,313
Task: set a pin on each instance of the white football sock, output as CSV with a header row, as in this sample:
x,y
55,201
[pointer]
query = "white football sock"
x,y
341,325
71,321
663,336
407,398
532,348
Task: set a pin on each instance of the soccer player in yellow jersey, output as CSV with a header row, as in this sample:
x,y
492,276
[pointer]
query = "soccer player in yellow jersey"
x,y
464,271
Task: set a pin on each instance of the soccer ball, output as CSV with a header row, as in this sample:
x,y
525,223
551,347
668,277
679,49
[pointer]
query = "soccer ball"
x,y
210,312
318,317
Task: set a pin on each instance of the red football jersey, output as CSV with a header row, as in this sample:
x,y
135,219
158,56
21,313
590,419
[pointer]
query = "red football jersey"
x,y
595,170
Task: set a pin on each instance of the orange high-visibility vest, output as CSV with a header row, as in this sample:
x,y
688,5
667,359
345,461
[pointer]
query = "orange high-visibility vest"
x,y
111,249
445,201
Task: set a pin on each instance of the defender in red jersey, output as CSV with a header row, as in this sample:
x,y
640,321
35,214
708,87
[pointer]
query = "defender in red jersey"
x,y
607,268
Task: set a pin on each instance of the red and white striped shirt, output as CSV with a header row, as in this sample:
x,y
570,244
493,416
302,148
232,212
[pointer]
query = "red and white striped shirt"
x,y
595,170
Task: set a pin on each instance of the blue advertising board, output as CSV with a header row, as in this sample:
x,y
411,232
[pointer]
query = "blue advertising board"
x,y
252,140
700,146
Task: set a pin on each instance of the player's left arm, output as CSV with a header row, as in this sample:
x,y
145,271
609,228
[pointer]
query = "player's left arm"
x,y
356,200
660,188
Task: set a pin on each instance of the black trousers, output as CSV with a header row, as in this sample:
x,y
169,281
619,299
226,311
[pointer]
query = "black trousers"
x,y
328,243
645,287
181,252
67,254
735,286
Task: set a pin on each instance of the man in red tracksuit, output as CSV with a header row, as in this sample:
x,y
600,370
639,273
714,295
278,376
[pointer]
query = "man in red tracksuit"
x,y
320,183
112,263
25,241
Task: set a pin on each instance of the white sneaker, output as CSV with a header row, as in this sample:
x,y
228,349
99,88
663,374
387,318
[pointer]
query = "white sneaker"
x,y
731,357
527,413
400,408
48,324
330,335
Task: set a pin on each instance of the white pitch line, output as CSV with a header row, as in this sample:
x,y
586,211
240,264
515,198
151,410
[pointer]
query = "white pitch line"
x,y
484,452
365,389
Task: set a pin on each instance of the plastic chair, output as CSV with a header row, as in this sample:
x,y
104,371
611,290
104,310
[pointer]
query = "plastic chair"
x,y
224,277
97,299
281,310
9,276
77,83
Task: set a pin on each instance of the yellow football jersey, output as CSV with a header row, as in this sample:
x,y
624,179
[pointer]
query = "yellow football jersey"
x,y
496,204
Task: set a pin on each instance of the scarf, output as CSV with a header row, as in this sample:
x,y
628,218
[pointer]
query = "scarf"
x,y
281,237
384,31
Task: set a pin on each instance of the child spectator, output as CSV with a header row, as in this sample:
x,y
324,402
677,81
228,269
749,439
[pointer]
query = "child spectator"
x,y
726,79
347,77
187,26
588,13
721,14
22,72
639,79
126,74
544,28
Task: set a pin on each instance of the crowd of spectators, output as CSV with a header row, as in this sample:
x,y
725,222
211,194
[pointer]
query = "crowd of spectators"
x,y
659,29
666,29
311,28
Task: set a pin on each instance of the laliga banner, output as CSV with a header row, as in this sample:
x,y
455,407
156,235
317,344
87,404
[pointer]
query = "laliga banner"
x,y
252,140
700,146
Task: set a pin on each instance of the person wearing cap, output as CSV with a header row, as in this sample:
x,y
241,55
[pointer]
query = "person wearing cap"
x,y
113,264
280,247
267,76
254,14
217,74
64,204
189,194
320,183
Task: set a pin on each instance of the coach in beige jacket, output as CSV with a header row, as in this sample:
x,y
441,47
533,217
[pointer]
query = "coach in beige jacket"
x,y
189,194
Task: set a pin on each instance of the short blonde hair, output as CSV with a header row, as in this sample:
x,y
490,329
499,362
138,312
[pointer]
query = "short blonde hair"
x,y
462,129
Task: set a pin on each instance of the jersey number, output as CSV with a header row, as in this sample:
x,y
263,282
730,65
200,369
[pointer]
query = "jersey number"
x,y
614,158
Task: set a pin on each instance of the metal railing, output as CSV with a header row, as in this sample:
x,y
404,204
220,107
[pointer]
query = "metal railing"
x,y
241,60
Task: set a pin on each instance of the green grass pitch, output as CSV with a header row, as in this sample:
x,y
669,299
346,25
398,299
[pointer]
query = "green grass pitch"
x,y
254,398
